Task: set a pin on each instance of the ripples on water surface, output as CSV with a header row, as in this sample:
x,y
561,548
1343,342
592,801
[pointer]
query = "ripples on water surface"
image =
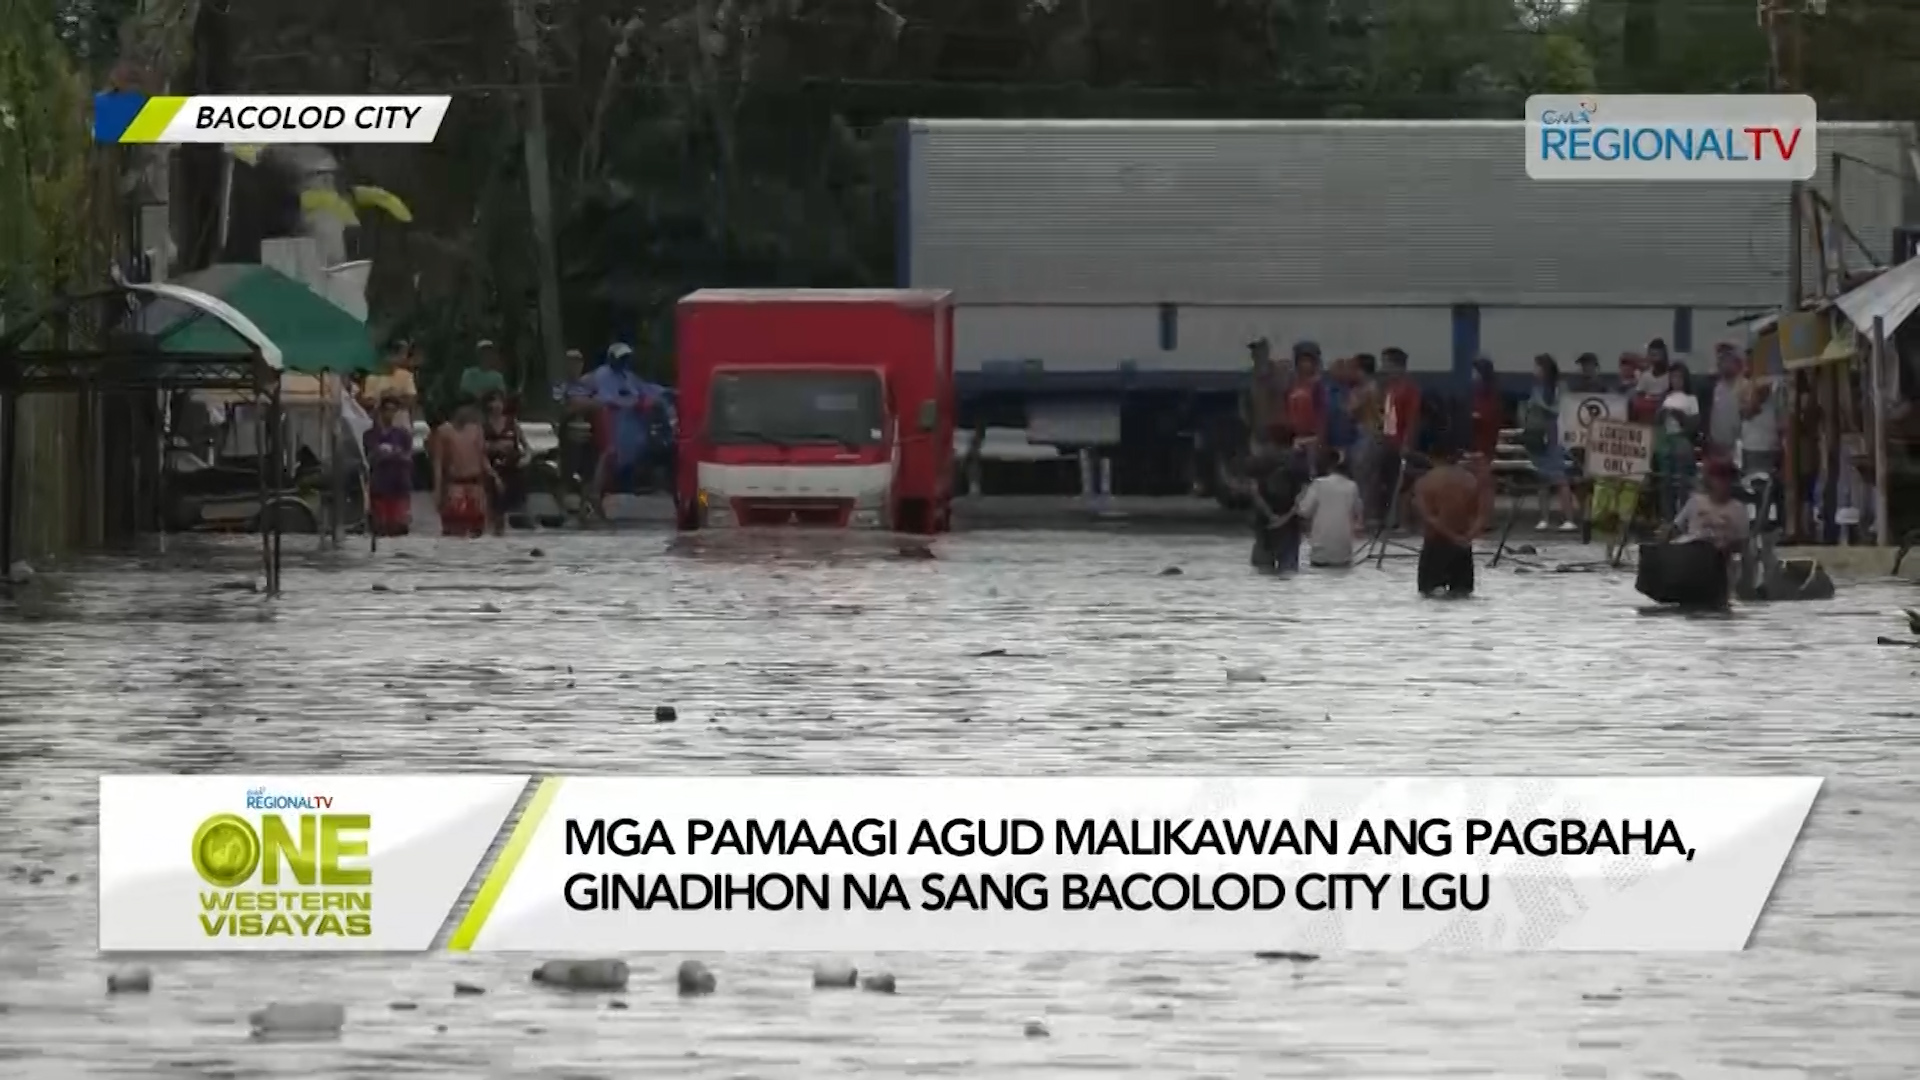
x,y
811,657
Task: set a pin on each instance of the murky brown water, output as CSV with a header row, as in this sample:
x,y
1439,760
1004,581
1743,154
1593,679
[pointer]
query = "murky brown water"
x,y
810,657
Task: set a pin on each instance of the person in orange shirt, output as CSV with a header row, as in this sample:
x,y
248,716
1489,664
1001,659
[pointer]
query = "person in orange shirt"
x,y
1306,404
397,385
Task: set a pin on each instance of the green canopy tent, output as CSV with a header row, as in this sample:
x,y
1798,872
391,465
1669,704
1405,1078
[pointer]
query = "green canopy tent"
x,y
313,333
316,338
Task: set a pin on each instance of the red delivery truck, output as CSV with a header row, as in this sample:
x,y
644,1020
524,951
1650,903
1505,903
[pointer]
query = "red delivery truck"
x,y
824,407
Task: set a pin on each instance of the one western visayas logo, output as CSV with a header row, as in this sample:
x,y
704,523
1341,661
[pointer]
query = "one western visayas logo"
x,y
297,874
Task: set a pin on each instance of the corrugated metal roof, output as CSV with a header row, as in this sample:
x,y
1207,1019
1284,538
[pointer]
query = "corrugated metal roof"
x,y
1345,212
1893,296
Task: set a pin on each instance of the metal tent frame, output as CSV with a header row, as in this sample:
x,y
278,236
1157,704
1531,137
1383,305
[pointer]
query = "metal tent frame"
x,y
123,358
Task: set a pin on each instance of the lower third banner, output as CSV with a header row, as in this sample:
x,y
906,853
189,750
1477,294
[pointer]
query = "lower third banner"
x,y
941,864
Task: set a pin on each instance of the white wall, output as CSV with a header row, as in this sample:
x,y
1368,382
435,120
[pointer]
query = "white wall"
x,y
1071,338
1082,338
1512,337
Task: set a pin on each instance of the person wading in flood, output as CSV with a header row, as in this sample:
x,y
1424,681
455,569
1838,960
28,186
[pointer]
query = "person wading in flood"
x,y
506,451
1276,488
1447,499
1331,509
461,476
389,450
1715,517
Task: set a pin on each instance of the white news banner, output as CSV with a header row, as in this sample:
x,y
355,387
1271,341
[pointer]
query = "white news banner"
x,y
881,864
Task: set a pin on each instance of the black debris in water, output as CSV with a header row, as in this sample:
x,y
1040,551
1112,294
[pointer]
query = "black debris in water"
x,y
465,989
664,714
1172,571
694,979
1287,954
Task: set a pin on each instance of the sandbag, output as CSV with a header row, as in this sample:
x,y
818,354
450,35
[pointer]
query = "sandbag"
x,y
1690,575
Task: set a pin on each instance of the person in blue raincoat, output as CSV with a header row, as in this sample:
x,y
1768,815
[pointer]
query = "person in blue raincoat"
x,y
631,408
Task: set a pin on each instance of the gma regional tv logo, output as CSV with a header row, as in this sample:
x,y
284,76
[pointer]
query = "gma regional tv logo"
x,y
1763,137
297,870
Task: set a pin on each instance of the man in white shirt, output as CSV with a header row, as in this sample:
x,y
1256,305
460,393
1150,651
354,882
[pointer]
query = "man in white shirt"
x,y
1331,507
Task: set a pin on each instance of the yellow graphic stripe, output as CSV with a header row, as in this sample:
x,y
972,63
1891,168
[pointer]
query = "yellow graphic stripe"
x,y
496,881
152,120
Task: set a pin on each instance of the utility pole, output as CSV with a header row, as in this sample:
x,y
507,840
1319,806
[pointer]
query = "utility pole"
x,y
1783,50
526,31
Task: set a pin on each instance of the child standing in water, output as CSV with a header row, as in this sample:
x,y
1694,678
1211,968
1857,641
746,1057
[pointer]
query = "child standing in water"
x,y
389,447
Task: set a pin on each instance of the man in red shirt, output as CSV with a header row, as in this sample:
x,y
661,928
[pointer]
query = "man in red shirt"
x,y
1399,423
1307,398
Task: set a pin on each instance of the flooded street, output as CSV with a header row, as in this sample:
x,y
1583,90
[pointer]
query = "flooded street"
x,y
1026,652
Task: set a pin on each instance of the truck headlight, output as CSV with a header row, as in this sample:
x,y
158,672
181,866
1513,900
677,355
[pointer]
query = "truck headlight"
x,y
714,508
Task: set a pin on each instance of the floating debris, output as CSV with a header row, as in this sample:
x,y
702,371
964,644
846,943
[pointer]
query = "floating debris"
x,y
299,1018
582,974
694,978
1172,571
134,980
665,714
1287,954
1036,1030
467,989
835,975
882,983
1245,674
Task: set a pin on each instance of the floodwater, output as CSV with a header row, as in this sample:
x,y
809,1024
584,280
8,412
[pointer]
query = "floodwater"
x,y
808,655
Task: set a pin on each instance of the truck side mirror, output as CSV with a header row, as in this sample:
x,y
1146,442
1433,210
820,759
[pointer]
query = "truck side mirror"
x,y
929,415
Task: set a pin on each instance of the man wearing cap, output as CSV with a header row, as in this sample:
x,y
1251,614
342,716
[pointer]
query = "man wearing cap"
x,y
1616,499
1713,516
487,375
1586,378
579,456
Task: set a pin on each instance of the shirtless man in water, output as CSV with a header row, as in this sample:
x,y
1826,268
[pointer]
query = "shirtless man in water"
x,y
1448,501
461,476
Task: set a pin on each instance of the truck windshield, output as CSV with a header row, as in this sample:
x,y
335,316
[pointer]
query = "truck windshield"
x,y
788,408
